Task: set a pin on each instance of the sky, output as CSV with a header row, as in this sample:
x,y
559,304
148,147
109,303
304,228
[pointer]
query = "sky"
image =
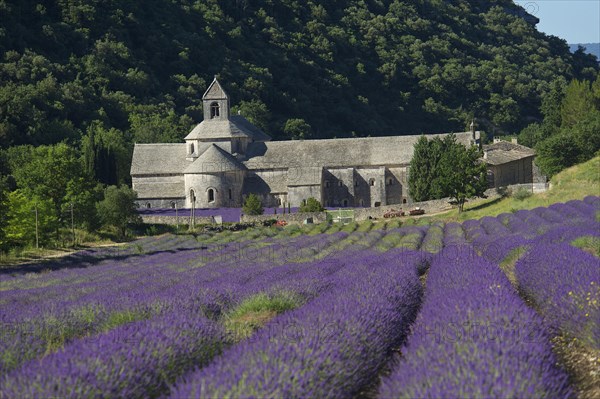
x,y
576,21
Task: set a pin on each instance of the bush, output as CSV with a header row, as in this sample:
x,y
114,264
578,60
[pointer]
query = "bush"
x,y
252,205
311,205
522,193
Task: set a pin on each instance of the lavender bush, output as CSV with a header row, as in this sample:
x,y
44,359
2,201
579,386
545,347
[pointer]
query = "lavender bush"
x,y
474,337
564,283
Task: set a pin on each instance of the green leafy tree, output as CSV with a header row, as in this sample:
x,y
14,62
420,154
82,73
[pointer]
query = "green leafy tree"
x,y
297,129
578,138
444,168
118,208
4,207
311,205
252,205
577,103
557,153
44,172
421,168
81,197
462,172
106,154
21,225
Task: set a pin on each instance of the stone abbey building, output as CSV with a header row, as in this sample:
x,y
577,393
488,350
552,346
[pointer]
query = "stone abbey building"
x,y
225,158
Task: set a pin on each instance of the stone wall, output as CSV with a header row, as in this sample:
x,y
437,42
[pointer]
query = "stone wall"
x,y
291,218
377,213
172,220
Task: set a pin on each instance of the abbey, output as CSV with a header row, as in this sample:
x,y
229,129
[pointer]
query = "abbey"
x,y
225,158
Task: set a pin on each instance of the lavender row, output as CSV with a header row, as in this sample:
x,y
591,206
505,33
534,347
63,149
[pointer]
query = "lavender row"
x,y
136,360
474,337
564,283
186,301
332,347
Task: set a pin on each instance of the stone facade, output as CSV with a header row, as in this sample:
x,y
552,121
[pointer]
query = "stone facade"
x,y
225,158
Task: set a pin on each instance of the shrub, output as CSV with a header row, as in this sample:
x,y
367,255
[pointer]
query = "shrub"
x,y
311,205
253,205
522,193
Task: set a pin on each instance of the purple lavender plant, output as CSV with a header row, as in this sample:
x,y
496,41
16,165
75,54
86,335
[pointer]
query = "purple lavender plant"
x,y
333,347
564,283
474,337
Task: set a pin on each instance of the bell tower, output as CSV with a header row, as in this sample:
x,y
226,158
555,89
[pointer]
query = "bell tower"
x,y
215,102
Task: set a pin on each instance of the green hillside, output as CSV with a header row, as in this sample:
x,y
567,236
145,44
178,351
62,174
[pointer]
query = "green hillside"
x,y
295,68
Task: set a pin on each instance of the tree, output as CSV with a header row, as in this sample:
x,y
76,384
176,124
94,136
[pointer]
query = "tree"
x,y
252,205
420,170
557,153
3,208
82,195
44,172
297,129
577,103
311,205
118,208
462,173
21,224
444,168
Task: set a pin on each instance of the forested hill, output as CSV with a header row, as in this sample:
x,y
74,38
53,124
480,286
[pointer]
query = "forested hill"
x,y
136,70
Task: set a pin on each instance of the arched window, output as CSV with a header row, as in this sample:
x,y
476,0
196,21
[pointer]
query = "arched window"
x,y
356,183
361,202
327,184
172,204
192,196
341,183
148,205
230,194
345,203
211,195
371,182
404,201
390,181
214,110
191,148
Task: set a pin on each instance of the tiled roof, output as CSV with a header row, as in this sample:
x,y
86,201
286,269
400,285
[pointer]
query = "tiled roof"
x,y
235,126
160,190
369,151
214,160
154,159
504,151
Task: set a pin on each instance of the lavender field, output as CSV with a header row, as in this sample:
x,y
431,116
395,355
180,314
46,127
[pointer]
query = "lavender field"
x,y
440,311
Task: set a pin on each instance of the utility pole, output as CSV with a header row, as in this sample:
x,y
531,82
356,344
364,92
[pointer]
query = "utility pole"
x,y
37,237
193,215
176,217
72,225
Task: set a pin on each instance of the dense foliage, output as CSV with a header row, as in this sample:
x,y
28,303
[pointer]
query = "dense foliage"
x,y
118,208
570,131
311,205
445,168
297,69
252,205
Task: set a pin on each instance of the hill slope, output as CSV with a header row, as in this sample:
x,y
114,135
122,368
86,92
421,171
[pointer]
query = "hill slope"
x,y
346,67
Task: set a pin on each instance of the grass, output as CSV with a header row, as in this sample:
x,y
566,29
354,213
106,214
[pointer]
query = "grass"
x,y
508,264
254,312
589,244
